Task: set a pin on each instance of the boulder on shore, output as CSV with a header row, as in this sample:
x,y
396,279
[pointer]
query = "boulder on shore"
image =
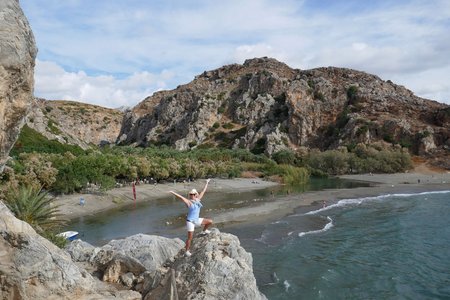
x,y
135,254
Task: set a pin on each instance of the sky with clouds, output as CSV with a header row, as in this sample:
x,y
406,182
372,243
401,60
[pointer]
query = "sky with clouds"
x,y
115,53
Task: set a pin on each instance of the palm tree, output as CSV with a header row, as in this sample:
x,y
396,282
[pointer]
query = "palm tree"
x,y
35,208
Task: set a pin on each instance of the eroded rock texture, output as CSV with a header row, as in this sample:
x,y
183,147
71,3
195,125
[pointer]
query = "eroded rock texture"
x,y
17,58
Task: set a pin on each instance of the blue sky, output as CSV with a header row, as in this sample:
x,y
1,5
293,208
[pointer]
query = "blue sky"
x,y
114,53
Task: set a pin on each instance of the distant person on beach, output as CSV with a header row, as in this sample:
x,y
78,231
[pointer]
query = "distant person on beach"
x,y
193,217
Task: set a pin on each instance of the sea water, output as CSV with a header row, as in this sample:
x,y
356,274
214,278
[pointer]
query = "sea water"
x,y
385,247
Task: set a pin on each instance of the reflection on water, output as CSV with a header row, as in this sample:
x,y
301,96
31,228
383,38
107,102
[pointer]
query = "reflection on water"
x,y
165,216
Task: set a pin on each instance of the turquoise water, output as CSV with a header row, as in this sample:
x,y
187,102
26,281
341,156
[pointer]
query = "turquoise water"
x,y
386,247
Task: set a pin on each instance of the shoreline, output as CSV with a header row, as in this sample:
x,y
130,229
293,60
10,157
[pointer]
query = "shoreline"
x,y
287,205
262,212
94,203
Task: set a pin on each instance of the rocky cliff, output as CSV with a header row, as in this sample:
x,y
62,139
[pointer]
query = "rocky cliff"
x,y
266,106
75,123
17,57
33,268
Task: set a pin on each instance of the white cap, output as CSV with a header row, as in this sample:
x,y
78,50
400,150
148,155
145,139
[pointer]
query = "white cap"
x,y
193,192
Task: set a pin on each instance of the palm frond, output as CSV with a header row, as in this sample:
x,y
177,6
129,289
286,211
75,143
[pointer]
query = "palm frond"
x,y
34,207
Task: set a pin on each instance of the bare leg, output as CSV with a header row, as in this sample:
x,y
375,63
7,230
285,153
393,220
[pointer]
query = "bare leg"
x,y
206,223
189,239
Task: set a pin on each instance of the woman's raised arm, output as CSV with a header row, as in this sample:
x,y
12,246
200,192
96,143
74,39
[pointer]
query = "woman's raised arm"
x,y
186,201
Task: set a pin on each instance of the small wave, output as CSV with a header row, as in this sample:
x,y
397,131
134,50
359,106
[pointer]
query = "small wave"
x,y
357,201
286,285
279,222
262,239
325,228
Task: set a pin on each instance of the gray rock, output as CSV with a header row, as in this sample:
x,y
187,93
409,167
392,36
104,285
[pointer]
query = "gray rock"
x,y
120,265
81,251
219,268
150,250
127,279
141,255
17,58
31,267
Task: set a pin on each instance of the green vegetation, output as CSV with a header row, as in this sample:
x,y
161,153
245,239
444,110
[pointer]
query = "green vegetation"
x,y
228,126
376,158
39,163
32,141
52,127
352,93
36,208
72,172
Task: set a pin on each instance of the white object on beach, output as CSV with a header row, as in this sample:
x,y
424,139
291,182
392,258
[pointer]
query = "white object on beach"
x,y
68,235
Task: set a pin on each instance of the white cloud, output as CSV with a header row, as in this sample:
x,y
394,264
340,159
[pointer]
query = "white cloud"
x,y
148,45
54,83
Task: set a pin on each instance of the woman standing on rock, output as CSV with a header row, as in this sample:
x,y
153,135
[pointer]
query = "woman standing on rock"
x,y
193,217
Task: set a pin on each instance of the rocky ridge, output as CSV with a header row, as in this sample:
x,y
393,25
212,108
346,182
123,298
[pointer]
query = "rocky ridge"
x,y
17,58
266,106
75,123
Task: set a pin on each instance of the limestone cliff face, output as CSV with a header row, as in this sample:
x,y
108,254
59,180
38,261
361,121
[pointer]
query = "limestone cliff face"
x,y
264,105
17,58
74,122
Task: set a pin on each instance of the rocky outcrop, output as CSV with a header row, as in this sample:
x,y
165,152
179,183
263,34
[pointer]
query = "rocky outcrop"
x,y
266,106
122,261
75,123
219,268
33,268
17,58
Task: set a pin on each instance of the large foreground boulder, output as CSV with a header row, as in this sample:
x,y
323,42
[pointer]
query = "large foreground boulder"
x,y
157,267
31,267
122,261
17,58
219,268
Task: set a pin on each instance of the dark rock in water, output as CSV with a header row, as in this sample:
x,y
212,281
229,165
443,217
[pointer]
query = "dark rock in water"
x,y
219,268
17,56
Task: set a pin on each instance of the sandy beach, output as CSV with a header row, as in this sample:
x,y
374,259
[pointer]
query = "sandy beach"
x,y
94,203
267,210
